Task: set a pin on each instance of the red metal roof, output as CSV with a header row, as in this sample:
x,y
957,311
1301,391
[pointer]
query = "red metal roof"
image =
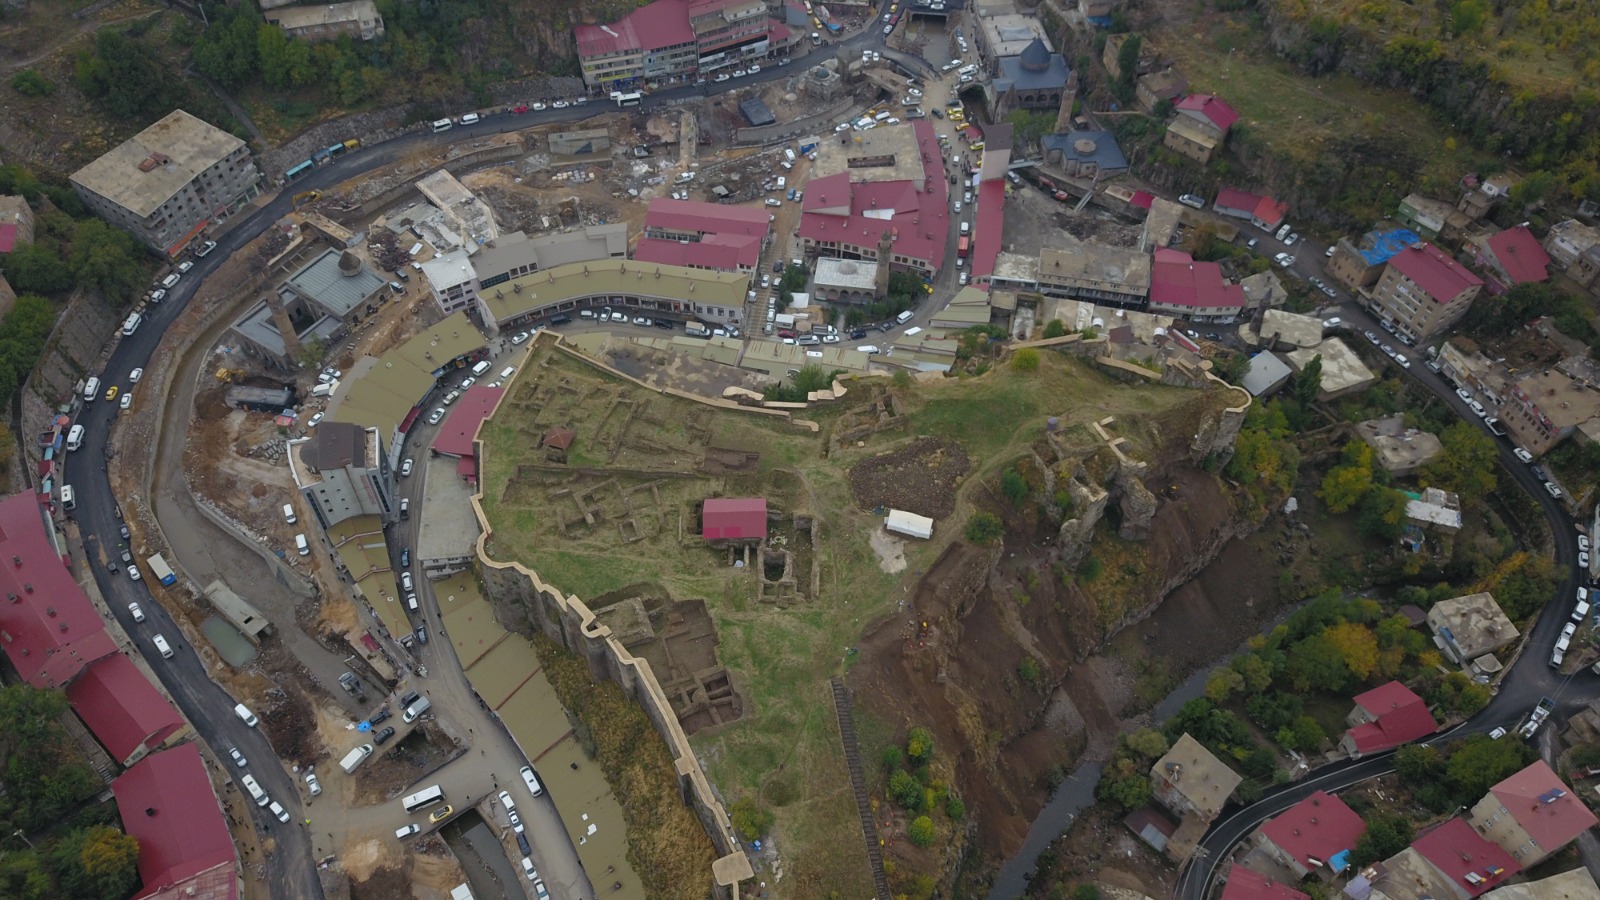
x,y
705,218
220,882
1142,199
1548,817
986,230
1455,849
1317,827
920,221
48,628
1235,199
168,806
1270,211
1248,884
734,519
1401,717
8,237
664,23
1520,255
1213,108
1431,269
122,707
1177,280
728,255
460,426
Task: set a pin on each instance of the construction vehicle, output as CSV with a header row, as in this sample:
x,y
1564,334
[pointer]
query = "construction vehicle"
x,y
305,197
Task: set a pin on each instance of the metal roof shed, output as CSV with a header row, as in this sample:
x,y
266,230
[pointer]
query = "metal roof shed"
x,y
910,524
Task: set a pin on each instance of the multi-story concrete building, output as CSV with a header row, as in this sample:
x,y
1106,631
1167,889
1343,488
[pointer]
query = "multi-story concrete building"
x,y
343,471
16,223
676,39
455,278
1546,406
358,19
169,181
1192,783
1357,265
1531,814
639,288
1575,249
1423,291
703,235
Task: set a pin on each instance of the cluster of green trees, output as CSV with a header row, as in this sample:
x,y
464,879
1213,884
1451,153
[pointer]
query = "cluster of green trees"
x,y
801,384
75,851
1527,302
1125,780
1461,773
1356,483
1265,460
913,788
906,290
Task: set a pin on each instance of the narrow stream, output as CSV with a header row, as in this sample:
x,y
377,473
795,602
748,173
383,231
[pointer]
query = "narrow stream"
x,y
1076,793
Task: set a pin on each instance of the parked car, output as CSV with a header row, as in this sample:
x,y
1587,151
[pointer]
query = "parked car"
x,y
405,467
1523,455
1192,200
238,758
382,737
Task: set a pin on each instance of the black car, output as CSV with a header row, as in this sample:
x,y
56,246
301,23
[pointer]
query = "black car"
x,y
522,844
410,698
422,638
405,557
383,736
379,716
885,326
938,113
666,324
777,267
857,334
126,535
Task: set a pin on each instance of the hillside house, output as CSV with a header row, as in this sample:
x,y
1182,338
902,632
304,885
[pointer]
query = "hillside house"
x,y
1194,785
1386,717
1510,257
1470,626
1200,128
1315,835
1531,814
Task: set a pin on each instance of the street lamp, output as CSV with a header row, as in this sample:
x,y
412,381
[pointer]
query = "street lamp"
x,y
18,833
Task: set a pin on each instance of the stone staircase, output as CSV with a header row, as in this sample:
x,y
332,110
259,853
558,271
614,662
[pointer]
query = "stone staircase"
x,y
858,785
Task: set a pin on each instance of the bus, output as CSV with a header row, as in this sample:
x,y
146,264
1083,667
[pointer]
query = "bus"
x,y
161,570
299,170
962,246
628,99
423,798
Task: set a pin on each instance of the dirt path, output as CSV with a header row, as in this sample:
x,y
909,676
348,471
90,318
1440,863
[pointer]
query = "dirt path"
x,y
87,28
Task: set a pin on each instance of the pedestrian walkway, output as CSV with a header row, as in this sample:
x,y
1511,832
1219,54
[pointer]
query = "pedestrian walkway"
x,y
842,706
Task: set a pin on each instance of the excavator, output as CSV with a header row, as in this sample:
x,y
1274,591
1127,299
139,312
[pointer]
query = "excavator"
x,y
304,197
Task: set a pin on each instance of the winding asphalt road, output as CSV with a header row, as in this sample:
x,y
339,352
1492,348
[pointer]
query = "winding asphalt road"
x,y
207,706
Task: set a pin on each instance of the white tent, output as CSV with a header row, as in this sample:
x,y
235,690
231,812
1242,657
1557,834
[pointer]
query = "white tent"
x,y
910,524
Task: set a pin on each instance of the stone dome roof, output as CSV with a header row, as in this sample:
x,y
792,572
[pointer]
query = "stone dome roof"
x,y
1036,56
349,264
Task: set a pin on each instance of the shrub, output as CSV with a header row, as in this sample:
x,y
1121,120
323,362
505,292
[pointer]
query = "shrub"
x,y
905,790
984,528
1055,328
1025,360
30,83
1014,486
750,820
921,831
954,808
919,746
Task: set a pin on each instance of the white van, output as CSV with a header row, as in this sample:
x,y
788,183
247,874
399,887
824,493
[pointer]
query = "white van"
x,y
967,70
301,546
91,390
415,710
411,602
532,781
788,155
131,324
507,372
469,119
288,514
442,125
75,437
163,646
69,502
245,715
355,758
903,317
255,790
480,368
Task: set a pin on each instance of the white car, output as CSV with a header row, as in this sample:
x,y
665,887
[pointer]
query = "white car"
x,y
238,758
1527,457
405,467
126,402
913,92
138,614
520,337
135,375
560,104
316,420
1498,733
435,417
278,810
185,266
313,784
206,248
1290,240
753,69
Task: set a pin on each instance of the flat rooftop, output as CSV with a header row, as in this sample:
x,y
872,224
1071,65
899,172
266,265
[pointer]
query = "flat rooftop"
x,y
1566,401
613,277
1342,369
1009,35
853,274
896,145
185,147
1092,264
1291,328
360,544
448,528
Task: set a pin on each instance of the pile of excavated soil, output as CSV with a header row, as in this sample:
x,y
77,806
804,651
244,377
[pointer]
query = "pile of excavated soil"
x,y
920,477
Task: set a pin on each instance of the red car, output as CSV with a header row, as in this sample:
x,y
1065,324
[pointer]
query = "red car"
x,y
519,109
786,333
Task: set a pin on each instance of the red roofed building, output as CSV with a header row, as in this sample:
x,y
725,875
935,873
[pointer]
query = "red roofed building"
x,y
846,211
1309,835
988,223
1386,716
460,428
167,804
1208,110
123,709
672,39
1469,862
1263,212
1200,128
1247,884
16,223
1531,815
1513,257
703,235
48,628
1179,286
1422,291
743,519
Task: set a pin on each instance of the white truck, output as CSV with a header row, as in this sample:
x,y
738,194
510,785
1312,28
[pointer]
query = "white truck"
x,y
697,329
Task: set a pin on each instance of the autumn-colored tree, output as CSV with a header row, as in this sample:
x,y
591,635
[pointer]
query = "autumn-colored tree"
x,y
1347,483
1222,684
1357,645
111,860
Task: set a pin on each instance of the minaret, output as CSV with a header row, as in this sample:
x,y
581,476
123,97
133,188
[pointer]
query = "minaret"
x,y
880,288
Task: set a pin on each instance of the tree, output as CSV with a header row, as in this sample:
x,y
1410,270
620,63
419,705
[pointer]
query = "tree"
x,y
30,83
906,791
984,528
1029,125
1201,241
1025,360
110,861
1148,743
1222,684
1306,385
919,746
750,820
1317,664
36,269
954,808
125,76
1013,486
1303,734
1386,835
1055,328
1479,763
920,831
107,259
1383,514
1346,484
1128,59
1254,669
23,876
1466,464
1358,646
1418,764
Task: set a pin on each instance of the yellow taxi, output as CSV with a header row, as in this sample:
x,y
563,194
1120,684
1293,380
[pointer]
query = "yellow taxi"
x,y
111,392
442,814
